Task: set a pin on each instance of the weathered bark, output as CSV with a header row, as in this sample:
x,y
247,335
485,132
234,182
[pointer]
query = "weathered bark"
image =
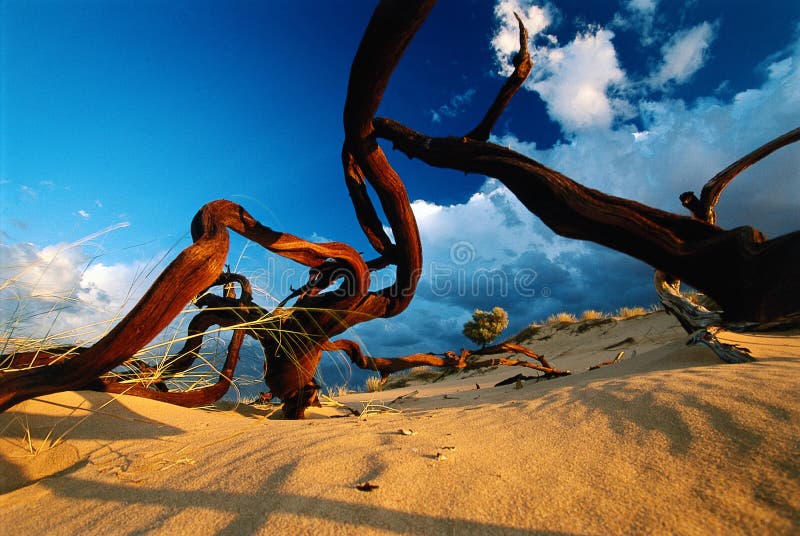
x,y
703,208
691,316
290,338
386,366
752,278
727,352
522,68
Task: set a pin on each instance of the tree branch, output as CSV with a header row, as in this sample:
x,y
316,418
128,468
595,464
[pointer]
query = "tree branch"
x,y
703,208
196,268
522,68
386,366
765,285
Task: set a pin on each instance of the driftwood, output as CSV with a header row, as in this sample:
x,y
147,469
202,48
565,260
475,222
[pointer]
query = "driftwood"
x,y
608,363
752,278
695,318
386,366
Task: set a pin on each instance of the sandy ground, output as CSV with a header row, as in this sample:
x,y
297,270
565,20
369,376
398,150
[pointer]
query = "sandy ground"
x,y
669,440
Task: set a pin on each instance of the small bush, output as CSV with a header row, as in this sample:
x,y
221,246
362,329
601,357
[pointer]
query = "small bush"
x,y
485,326
630,312
562,317
591,314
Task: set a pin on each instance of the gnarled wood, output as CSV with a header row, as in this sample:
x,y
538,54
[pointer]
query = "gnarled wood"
x,y
189,399
764,285
752,278
691,316
386,366
727,352
195,269
703,208
522,68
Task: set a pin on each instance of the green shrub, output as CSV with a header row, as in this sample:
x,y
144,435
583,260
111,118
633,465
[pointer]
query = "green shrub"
x,y
485,326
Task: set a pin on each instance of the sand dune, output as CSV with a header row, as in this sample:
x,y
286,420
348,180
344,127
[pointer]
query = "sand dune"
x,y
668,440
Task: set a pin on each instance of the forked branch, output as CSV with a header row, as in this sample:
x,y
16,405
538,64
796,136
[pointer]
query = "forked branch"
x,y
703,208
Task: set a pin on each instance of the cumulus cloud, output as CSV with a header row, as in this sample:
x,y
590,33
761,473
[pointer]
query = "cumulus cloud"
x,y
684,144
684,55
575,80
62,293
489,251
505,41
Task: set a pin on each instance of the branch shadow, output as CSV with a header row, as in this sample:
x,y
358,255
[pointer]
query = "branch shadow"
x,y
30,439
252,512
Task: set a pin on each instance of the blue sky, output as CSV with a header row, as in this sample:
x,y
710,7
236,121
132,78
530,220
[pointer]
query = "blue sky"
x,y
133,114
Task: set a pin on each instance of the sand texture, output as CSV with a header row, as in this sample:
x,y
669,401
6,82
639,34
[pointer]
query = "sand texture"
x,y
668,440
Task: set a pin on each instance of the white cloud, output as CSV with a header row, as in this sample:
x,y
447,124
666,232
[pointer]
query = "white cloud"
x,y
684,54
60,292
488,251
642,6
505,41
639,16
453,107
83,214
474,248
682,145
575,80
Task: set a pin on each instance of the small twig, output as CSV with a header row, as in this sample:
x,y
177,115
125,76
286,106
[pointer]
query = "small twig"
x,y
607,363
403,397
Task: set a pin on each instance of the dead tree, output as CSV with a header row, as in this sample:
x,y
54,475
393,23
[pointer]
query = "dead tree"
x,y
386,366
752,278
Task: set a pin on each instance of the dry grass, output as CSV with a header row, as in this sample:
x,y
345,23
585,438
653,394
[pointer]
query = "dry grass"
x,y
416,375
562,317
374,384
34,320
629,312
338,390
591,314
